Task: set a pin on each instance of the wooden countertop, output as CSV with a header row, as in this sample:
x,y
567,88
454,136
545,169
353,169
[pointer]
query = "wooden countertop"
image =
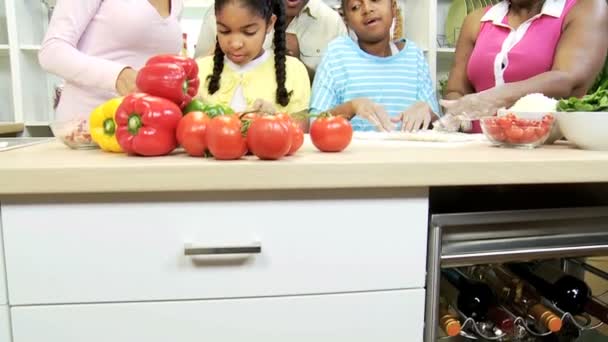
x,y
53,168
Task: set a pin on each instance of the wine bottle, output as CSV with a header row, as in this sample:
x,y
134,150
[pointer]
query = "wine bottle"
x,y
448,323
569,293
474,298
517,295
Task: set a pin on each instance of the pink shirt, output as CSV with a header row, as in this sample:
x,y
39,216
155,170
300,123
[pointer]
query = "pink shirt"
x,y
89,42
502,54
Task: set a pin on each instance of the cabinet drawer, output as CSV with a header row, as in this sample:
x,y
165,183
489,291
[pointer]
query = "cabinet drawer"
x,y
5,325
133,251
392,316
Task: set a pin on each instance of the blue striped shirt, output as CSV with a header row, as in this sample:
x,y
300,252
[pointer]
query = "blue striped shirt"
x,y
396,82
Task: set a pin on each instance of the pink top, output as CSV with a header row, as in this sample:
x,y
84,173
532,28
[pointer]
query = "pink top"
x,y
89,42
502,54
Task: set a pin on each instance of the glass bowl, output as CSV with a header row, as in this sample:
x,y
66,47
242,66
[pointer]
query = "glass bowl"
x,y
513,131
555,134
74,134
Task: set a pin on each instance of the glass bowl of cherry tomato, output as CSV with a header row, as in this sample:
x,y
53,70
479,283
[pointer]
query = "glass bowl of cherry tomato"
x,y
513,131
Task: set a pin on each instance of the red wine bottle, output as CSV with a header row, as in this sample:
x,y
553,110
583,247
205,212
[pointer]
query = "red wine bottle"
x,y
474,298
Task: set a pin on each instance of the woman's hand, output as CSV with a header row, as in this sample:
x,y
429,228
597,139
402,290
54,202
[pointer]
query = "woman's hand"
x,y
373,112
264,106
125,83
474,106
417,116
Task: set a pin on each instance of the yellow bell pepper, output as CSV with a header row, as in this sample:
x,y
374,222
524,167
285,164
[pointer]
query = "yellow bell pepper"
x,y
103,126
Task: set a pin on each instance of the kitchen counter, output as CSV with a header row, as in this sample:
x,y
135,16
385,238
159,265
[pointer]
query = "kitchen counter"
x,y
317,236
53,168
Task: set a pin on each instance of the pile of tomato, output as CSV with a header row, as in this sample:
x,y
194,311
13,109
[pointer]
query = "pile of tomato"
x,y
230,136
513,130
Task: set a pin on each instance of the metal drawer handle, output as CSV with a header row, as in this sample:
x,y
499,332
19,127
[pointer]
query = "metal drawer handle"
x,y
253,248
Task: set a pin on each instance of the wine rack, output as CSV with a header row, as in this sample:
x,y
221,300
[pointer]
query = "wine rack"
x,y
561,238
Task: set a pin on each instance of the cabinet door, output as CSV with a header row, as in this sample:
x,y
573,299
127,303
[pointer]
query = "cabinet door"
x,y
5,326
136,251
392,316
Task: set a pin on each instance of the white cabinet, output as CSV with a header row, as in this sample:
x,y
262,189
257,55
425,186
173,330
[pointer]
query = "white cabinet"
x,y
392,316
135,251
5,324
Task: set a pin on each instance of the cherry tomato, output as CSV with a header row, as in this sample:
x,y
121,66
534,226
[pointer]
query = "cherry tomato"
x,y
505,122
529,135
269,137
224,137
191,133
331,134
514,134
548,119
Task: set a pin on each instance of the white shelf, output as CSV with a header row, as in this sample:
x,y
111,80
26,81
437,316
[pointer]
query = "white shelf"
x,y
446,50
3,46
30,47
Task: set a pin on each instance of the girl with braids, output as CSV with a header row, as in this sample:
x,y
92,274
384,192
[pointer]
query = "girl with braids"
x,y
241,73
377,83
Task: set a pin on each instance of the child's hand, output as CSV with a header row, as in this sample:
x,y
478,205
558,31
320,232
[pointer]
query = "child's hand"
x,y
374,113
417,116
264,106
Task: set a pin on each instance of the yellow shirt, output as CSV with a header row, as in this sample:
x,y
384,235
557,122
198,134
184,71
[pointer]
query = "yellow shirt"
x,y
258,83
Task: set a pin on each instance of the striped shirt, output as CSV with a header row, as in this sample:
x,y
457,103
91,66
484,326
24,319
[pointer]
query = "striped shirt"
x,y
395,82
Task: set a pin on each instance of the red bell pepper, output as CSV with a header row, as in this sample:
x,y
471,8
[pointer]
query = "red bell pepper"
x,y
160,77
147,125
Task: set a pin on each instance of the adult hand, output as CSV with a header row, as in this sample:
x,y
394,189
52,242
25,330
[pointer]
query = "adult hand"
x,y
293,46
468,107
125,83
374,113
417,116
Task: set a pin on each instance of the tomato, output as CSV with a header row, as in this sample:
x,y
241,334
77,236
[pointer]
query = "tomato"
x,y
331,134
297,138
542,130
522,123
191,133
529,135
269,138
283,116
504,122
511,117
224,137
514,134
548,119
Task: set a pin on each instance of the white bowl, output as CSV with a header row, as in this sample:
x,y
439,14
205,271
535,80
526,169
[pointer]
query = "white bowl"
x,y
556,133
587,130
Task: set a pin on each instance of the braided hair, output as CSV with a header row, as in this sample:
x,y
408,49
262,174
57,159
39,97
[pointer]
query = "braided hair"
x,y
265,9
